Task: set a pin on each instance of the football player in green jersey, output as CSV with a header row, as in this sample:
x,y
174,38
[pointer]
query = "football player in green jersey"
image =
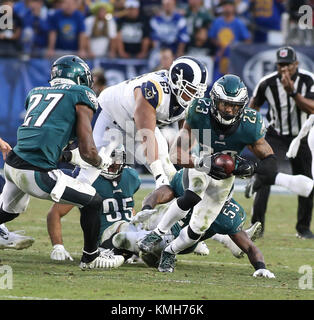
x,y
220,124
116,185
228,225
54,116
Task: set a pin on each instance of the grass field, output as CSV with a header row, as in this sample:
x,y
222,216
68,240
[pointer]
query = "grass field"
x,y
217,276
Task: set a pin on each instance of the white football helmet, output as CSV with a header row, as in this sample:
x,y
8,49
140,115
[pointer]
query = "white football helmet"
x,y
188,76
118,156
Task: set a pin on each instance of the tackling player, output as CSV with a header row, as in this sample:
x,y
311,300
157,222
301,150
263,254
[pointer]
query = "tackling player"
x,y
54,116
143,104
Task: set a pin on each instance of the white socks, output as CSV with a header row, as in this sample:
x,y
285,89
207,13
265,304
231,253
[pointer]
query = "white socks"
x,y
183,241
299,184
173,215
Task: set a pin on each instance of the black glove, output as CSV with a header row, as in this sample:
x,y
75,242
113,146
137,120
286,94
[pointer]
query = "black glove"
x,y
207,164
66,156
245,168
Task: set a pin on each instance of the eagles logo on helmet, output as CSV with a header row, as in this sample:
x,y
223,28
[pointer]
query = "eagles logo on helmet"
x,y
72,68
228,92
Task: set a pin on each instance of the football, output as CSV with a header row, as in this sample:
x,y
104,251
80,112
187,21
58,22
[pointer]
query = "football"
x,y
225,161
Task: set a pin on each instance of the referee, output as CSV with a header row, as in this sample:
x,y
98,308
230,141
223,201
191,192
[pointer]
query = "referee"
x,y
289,93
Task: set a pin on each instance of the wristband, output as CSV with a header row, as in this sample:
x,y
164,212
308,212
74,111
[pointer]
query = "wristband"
x,y
259,265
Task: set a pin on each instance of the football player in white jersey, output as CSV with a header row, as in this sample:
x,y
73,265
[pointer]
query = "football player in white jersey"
x,y
135,109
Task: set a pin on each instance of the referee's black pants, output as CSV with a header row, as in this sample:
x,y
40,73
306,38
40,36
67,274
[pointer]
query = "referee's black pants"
x,y
301,164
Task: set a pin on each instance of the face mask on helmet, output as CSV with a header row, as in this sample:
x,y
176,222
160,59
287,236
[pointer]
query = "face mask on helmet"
x,y
229,96
115,170
188,80
71,70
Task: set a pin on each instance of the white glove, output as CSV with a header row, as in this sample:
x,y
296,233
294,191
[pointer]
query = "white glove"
x,y
77,160
143,215
106,160
293,148
59,253
263,273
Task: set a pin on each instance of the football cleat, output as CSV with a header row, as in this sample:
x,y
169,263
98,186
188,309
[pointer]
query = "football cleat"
x,y
148,243
255,231
167,262
14,240
201,249
105,260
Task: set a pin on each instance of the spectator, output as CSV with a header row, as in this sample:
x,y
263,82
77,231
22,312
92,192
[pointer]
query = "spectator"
x,y
67,31
197,17
166,58
200,44
266,16
10,37
133,33
84,8
101,30
201,48
169,29
99,80
119,8
35,28
225,31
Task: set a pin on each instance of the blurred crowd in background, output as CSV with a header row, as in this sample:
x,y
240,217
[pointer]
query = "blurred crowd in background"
x,y
133,29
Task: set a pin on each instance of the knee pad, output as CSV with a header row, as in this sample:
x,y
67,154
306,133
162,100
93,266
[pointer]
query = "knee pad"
x,y
188,200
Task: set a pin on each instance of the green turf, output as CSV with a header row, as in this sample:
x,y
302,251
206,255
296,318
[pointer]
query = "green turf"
x,y
217,276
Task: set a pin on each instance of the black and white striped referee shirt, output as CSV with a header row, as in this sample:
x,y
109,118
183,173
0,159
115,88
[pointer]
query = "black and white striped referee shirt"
x,y
283,113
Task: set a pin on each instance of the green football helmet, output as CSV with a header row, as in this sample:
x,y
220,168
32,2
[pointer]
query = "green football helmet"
x,y
72,68
228,90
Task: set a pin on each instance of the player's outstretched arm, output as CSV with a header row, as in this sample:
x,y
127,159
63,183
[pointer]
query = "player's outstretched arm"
x,y
254,254
56,212
164,194
145,122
